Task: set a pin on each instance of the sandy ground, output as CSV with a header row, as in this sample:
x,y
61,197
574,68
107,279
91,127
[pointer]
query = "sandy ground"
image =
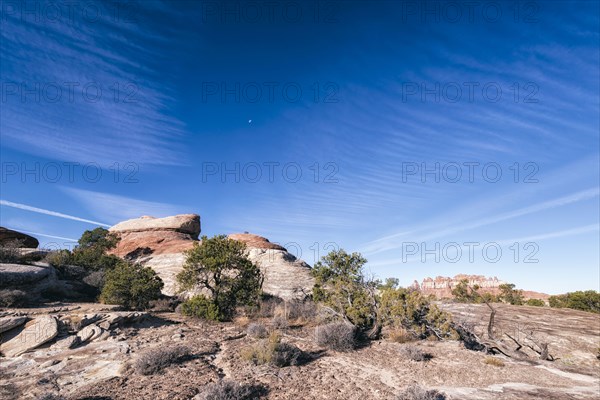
x,y
103,370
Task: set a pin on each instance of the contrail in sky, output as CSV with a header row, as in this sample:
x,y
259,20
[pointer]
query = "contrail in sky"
x,y
48,212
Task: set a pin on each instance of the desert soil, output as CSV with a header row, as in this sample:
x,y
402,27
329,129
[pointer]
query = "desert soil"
x,y
104,369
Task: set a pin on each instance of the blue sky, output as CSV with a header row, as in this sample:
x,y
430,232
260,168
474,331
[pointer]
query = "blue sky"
x,y
330,112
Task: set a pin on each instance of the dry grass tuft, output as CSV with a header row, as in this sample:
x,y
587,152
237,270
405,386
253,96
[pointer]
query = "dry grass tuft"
x,y
242,321
416,392
338,336
400,335
229,390
13,298
273,352
257,330
414,353
155,360
496,362
279,322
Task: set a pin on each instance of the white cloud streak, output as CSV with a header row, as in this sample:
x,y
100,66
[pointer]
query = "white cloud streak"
x,y
391,242
25,207
44,235
116,208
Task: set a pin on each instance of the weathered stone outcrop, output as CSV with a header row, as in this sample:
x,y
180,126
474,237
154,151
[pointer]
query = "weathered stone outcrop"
x,y
285,275
184,223
8,235
35,333
8,323
158,243
255,241
16,275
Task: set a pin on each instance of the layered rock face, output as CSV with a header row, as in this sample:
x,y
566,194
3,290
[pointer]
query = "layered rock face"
x,y
184,223
285,275
8,236
18,275
441,287
158,243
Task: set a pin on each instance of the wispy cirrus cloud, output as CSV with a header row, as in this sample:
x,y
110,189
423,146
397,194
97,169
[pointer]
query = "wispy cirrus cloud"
x,y
580,230
87,91
116,208
393,241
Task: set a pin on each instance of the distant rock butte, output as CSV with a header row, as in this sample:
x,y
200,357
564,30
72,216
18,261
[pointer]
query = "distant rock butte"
x,y
8,235
441,287
159,243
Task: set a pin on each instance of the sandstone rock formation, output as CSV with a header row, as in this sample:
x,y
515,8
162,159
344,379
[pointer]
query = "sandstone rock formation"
x,y
184,223
285,275
158,243
255,241
35,333
8,235
441,287
15,275
41,281
8,323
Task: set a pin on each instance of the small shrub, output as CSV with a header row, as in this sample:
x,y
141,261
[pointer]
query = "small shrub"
x,y
131,286
242,320
267,306
200,307
164,304
338,336
257,330
279,322
413,311
155,360
59,258
10,252
584,301
302,310
416,392
286,354
51,397
95,279
496,362
414,353
272,351
535,303
71,272
229,390
12,298
400,335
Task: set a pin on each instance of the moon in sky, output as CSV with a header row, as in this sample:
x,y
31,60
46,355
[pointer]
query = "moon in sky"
x,y
249,121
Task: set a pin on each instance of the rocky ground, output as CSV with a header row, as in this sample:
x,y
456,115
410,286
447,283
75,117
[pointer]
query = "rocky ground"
x,y
79,364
